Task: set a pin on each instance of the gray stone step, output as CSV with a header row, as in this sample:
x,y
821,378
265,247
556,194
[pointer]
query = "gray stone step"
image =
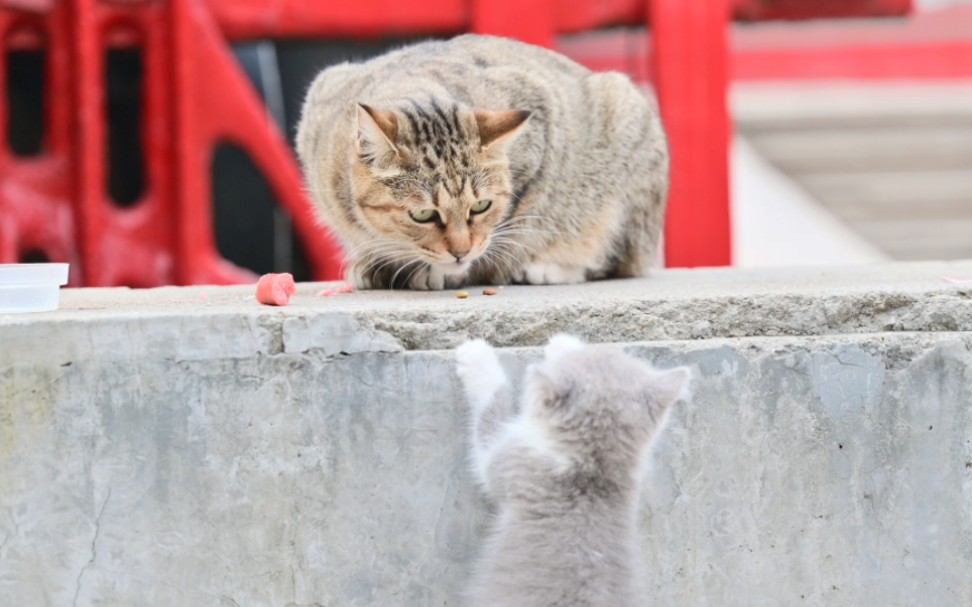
x,y
892,160
859,149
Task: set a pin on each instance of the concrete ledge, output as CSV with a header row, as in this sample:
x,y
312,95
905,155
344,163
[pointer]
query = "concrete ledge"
x,y
202,322
158,449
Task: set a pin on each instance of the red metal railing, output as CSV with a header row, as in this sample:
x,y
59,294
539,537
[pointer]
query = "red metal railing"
x,y
195,96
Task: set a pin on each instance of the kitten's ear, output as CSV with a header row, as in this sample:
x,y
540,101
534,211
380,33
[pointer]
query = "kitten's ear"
x,y
670,385
377,131
559,345
499,128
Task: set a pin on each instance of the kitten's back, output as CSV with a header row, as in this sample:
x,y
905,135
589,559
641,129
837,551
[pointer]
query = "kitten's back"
x,y
567,532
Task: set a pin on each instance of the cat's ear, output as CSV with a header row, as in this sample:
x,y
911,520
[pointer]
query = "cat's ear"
x,y
376,133
670,385
496,129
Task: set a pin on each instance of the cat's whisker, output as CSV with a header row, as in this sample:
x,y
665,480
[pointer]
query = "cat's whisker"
x,y
508,239
408,279
525,232
373,244
392,261
507,249
381,255
529,230
375,253
525,219
391,283
507,259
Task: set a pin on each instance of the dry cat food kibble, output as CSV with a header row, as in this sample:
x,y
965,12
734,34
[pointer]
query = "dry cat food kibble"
x,y
275,289
489,291
462,294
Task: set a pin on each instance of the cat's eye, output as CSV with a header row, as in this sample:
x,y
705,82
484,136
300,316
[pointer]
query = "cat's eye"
x,y
423,216
481,207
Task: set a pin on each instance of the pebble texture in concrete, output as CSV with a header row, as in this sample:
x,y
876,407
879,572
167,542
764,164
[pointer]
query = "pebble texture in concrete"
x,y
156,449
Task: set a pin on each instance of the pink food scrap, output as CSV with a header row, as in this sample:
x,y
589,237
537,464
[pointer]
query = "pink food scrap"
x,y
344,287
275,289
959,281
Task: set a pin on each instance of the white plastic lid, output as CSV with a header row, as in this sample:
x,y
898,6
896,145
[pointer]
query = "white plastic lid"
x,y
33,274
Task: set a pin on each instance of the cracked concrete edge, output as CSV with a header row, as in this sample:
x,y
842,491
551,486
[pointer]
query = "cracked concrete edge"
x,y
795,316
334,332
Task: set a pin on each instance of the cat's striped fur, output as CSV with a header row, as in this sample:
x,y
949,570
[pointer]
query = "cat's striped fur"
x,y
571,166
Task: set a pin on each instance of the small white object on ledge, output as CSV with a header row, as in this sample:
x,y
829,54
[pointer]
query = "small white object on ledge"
x,y
31,287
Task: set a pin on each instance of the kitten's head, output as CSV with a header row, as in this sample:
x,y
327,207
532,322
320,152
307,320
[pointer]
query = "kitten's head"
x,y
598,397
433,179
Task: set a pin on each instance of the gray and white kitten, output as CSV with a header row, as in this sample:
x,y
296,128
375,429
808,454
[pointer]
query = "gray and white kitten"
x,y
487,161
565,472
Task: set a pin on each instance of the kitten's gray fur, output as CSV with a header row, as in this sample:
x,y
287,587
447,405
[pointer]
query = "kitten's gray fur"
x,y
575,164
565,472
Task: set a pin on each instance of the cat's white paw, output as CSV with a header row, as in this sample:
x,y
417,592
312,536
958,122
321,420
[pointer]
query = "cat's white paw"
x,y
427,278
454,281
542,273
480,371
559,345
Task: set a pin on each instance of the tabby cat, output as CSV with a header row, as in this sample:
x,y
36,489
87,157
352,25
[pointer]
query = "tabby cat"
x,y
482,160
565,472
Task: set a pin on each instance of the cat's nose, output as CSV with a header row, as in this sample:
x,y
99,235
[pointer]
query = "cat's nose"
x,y
459,254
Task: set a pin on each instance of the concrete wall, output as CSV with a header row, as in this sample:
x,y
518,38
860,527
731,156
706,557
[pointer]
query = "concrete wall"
x,y
159,449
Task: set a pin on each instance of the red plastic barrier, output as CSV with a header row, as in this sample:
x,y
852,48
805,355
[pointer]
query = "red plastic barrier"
x,y
761,10
240,19
194,96
691,78
36,212
215,103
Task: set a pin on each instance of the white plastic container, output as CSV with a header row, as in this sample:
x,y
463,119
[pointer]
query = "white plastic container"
x,y
31,287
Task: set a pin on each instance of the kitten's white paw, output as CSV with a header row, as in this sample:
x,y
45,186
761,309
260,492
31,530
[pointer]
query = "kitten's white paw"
x,y
427,278
480,371
559,345
539,273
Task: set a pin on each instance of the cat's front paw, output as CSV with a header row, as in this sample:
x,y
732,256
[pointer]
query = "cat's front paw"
x,y
427,278
480,371
359,277
543,273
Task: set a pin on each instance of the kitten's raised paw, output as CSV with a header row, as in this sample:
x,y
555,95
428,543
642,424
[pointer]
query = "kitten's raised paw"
x,y
552,274
479,369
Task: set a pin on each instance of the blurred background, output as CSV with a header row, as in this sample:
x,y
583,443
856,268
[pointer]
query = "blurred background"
x,y
865,146
850,138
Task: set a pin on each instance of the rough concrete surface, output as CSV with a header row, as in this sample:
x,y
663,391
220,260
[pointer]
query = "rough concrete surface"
x,y
158,449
